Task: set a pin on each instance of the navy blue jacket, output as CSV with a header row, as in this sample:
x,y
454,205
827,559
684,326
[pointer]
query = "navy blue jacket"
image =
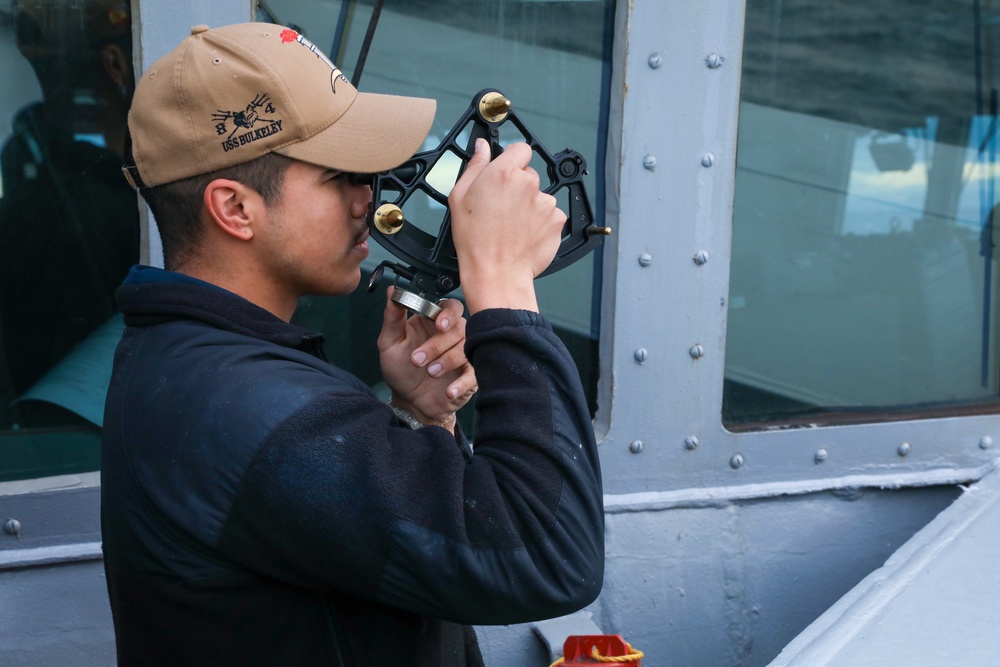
x,y
261,506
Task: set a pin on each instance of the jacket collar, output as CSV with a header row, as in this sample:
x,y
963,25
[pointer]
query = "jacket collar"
x,y
151,296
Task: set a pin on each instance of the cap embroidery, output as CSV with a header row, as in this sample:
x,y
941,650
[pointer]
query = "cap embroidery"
x,y
247,119
289,35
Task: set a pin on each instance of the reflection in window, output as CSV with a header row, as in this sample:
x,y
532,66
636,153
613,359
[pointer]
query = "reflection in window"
x,y
864,278
550,58
68,226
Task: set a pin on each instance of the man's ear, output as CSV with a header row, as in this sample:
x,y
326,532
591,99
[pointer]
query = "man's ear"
x,y
233,208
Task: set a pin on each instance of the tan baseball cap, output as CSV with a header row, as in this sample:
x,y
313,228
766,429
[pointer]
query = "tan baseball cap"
x,y
228,95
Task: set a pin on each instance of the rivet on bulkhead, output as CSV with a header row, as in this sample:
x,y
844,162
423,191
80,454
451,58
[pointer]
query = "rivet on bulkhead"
x,y
985,442
12,527
707,160
649,162
737,461
821,455
655,60
645,259
691,443
701,257
903,449
640,355
636,446
714,60
697,351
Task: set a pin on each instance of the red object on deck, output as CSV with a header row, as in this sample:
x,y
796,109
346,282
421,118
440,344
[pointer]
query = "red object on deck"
x,y
578,651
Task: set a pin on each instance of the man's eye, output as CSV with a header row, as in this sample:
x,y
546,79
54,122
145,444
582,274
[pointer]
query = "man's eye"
x,y
351,177
359,179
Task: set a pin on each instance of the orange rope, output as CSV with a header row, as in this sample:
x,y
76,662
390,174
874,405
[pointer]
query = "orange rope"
x,y
632,655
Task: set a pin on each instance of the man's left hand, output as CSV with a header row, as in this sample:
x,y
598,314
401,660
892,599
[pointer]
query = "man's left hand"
x,y
424,363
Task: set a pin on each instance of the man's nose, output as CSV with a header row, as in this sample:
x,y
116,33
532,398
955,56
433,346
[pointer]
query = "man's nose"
x,y
361,199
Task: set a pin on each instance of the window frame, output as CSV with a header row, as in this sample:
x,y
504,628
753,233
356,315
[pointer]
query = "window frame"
x,y
666,293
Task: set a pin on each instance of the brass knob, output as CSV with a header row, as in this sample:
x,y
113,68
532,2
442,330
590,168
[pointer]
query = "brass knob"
x,y
493,107
598,231
388,218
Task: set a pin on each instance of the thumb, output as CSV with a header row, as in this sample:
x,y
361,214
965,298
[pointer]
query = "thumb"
x,y
393,322
475,166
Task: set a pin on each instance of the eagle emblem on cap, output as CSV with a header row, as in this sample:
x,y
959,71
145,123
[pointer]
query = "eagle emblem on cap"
x,y
246,119
288,35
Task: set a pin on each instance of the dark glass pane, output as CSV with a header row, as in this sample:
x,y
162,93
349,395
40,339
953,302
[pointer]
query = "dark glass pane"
x,y
864,282
68,226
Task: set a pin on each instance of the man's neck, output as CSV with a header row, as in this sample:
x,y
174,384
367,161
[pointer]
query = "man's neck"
x,y
243,282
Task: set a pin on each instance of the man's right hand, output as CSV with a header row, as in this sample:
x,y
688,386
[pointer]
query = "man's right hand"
x,y
506,230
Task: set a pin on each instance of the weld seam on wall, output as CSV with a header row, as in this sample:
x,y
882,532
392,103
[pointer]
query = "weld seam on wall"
x,y
16,559
723,495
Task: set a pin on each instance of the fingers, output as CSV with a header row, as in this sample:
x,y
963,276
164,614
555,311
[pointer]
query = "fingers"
x,y
474,167
464,387
448,361
518,155
451,312
515,157
443,351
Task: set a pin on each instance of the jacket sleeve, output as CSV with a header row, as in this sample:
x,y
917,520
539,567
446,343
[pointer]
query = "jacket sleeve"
x,y
343,497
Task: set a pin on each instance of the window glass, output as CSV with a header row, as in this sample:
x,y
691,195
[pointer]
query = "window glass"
x,y
549,58
68,226
864,275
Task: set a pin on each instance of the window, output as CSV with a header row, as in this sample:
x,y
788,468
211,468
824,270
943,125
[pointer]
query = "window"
x,y
68,227
864,276
550,59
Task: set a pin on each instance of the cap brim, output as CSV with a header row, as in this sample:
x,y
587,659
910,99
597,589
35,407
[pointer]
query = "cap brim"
x,y
377,133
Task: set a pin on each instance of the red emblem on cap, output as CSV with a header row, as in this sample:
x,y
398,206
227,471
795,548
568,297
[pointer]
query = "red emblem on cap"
x,y
288,35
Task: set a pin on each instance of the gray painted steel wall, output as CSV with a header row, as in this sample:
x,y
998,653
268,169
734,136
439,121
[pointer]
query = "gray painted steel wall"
x,y
721,549
933,603
53,600
730,583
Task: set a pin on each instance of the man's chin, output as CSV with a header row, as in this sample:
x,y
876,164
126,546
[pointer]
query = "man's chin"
x,y
342,288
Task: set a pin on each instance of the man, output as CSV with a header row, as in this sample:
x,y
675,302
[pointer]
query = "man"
x,y
261,506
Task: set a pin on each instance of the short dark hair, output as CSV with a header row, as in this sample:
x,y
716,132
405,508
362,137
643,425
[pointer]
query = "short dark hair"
x,y
177,205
